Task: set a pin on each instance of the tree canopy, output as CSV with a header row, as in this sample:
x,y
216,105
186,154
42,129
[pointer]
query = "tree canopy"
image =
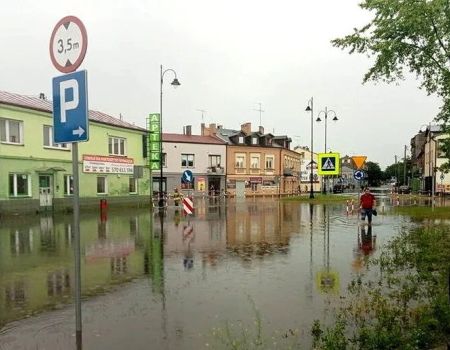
x,y
374,174
403,35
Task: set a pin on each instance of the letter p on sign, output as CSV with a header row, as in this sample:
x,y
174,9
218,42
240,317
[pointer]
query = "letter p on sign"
x,y
68,105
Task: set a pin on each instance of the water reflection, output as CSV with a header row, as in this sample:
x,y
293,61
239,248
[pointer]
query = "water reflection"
x,y
188,271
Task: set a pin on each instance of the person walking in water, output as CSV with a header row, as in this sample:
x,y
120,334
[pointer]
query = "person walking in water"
x,y
177,197
367,204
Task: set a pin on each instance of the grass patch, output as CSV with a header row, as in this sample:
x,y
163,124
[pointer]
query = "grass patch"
x,y
320,198
422,212
406,306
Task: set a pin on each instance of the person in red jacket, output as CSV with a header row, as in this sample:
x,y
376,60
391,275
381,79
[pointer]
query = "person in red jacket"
x,y
367,204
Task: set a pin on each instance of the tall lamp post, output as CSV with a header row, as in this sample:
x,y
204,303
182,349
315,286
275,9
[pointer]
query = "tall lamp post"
x,y
175,83
310,108
335,118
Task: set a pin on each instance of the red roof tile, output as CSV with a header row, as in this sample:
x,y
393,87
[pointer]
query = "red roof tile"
x,y
40,104
181,138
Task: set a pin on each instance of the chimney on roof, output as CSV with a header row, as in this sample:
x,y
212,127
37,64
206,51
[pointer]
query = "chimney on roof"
x,y
261,129
212,129
246,128
209,130
219,127
120,116
42,96
187,130
202,127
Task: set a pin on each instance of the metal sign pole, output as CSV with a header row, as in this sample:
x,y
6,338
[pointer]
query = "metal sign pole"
x,y
76,237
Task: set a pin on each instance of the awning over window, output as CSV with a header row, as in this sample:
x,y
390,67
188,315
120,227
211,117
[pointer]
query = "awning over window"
x,y
50,170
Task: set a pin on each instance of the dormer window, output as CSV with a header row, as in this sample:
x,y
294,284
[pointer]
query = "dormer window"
x,y
241,139
254,141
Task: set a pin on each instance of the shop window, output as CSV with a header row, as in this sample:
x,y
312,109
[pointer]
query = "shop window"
x,y
101,185
132,185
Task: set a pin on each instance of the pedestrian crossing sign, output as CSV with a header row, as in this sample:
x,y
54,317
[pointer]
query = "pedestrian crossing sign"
x,y
329,164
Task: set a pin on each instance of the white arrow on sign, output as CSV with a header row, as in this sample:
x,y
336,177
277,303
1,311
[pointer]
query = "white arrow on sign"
x,y
188,177
79,131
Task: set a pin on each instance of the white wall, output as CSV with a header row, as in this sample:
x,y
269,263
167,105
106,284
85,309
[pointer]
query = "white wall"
x,y
201,156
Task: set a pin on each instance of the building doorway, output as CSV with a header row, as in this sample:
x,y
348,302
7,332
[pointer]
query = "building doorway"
x,y
214,185
45,190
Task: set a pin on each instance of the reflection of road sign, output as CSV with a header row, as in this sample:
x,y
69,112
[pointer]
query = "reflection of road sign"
x,y
328,281
358,175
188,206
359,161
68,44
329,164
187,176
70,108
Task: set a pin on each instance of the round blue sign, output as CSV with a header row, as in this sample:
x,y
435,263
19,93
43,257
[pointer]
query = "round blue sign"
x,y
358,175
187,176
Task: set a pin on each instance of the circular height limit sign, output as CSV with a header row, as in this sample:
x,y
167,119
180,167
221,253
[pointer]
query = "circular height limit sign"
x,y
68,44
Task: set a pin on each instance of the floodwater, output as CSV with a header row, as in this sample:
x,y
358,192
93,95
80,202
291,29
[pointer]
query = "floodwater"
x,y
166,282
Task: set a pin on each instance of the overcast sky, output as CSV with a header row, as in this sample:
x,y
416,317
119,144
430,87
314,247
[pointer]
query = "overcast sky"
x,y
229,56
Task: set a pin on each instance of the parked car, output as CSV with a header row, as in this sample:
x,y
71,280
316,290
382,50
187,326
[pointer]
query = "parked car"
x,y
404,189
338,188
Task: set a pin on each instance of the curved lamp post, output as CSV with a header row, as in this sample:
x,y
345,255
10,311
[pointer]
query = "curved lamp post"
x,y
335,118
311,109
175,83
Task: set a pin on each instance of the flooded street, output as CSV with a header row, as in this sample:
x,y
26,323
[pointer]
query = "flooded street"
x,y
167,282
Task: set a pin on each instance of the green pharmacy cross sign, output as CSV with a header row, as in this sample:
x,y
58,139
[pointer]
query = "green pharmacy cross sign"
x,y
154,140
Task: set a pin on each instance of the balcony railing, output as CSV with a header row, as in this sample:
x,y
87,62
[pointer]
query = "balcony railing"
x,y
215,170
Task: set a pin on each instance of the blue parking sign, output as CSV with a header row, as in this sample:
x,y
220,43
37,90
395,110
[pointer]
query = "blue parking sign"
x,y
70,108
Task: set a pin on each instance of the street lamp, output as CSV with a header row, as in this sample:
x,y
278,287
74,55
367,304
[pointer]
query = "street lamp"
x,y
311,109
325,112
175,83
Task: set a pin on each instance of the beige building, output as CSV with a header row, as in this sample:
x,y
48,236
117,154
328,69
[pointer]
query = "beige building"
x,y
305,170
258,163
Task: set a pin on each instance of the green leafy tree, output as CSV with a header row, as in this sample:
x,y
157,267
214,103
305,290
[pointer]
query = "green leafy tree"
x,y
374,174
407,35
397,171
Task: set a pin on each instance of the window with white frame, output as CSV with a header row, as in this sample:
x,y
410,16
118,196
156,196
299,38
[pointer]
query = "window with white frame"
x,y
240,160
270,160
117,146
214,160
11,131
68,185
101,185
132,185
254,161
254,140
187,160
48,139
241,139
19,185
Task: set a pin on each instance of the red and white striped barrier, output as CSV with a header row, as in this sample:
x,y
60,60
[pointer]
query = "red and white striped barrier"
x,y
188,206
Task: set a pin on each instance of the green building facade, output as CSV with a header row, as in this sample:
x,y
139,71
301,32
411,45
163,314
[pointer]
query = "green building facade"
x,y
36,174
